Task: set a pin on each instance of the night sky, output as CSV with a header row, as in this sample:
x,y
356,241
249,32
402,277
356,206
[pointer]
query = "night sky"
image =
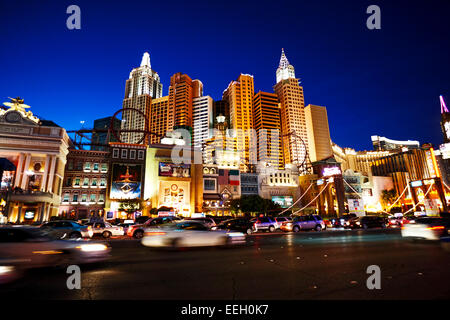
x,y
373,82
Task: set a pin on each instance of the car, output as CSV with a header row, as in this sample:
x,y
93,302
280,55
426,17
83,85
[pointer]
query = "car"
x,y
343,221
429,228
125,226
67,229
189,233
264,224
240,225
308,222
142,219
279,221
209,222
137,230
105,229
366,222
29,247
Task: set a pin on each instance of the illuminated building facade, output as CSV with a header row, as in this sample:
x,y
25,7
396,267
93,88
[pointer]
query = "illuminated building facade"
x,y
416,169
125,187
202,116
85,184
385,144
267,123
178,187
220,149
290,96
319,141
142,85
159,123
443,154
38,149
182,91
239,95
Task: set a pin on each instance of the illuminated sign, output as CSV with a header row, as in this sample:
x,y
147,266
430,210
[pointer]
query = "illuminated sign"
x,y
417,183
331,171
431,163
283,201
126,181
447,129
29,214
174,170
355,206
319,182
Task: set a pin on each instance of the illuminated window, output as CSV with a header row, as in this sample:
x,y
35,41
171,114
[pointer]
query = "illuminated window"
x,y
115,153
124,153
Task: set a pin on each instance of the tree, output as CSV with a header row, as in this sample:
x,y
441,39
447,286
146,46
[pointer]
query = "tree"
x,y
388,197
253,204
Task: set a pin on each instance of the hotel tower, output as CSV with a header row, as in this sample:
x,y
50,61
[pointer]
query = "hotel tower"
x,y
142,85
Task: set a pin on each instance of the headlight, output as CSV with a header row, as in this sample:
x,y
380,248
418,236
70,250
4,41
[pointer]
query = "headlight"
x,y
6,269
92,247
235,234
358,223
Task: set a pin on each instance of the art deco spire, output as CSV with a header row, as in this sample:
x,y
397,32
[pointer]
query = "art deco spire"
x,y
443,106
145,60
284,63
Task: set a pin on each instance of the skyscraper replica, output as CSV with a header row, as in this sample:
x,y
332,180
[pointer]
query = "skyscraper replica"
x,y
290,96
142,85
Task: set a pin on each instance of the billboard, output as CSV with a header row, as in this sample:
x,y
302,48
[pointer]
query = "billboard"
x,y
356,206
283,201
174,170
126,181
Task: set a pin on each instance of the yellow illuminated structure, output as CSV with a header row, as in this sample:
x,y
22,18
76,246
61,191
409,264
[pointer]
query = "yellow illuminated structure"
x,y
290,95
159,119
239,95
267,123
318,132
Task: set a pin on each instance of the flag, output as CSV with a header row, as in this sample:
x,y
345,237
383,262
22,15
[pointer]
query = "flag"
x,y
233,177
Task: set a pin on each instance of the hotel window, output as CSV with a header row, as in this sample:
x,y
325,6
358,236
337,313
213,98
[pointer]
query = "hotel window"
x,y
77,182
209,184
70,165
75,197
132,154
102,182
87,166
95,167
93,197
141,155
104,167
94,182
79,166
115,153
86,182
101,198
84,197
66,197
124,154
69,182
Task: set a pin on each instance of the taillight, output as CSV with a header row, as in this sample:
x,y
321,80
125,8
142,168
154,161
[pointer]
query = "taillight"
x,y
436,228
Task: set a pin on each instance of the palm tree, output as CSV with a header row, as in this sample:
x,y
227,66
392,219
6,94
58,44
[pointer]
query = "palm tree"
x,y
388,197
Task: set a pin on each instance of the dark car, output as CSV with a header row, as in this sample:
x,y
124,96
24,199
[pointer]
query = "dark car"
x,y
367,222
241,225
137,230
344,220
68,229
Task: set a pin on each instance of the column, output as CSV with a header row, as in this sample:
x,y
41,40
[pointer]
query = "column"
x,y
19,212
19,171
51,174
23,185
46,170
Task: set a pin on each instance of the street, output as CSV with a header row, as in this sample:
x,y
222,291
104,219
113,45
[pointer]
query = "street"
x,y
306,265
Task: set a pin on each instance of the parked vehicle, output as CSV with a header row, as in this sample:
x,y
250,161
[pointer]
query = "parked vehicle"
x,y
343,221
137,230
279,221
125,226
105,229
189,233
67,229
309,222
29,247
366,222
264,224
240,225
429,228
209,222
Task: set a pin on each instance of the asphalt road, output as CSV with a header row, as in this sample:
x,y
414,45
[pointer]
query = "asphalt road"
x,y
307,265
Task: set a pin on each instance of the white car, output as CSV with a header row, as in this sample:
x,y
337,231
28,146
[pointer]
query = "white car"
x,y
428,228
32,247
106,229
189,233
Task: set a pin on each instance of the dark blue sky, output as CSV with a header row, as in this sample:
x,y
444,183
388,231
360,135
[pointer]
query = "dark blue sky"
x,y
385,82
